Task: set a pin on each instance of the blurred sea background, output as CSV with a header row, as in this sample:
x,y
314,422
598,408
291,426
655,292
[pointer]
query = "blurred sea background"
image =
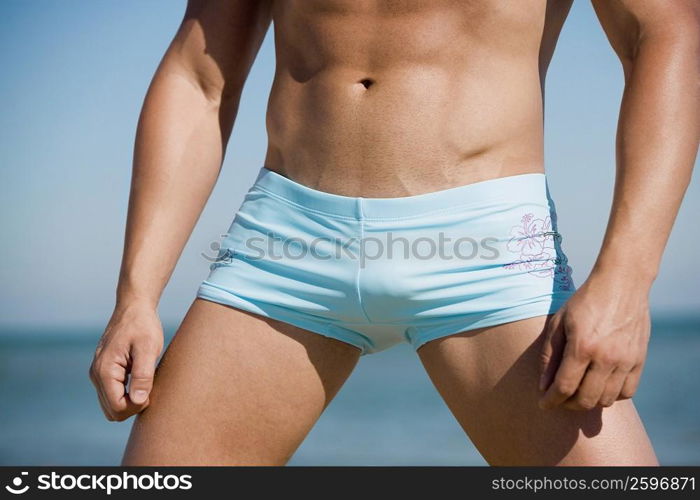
x,y
74,76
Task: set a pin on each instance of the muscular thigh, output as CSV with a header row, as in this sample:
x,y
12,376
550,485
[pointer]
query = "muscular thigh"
x,y
235,388
489,378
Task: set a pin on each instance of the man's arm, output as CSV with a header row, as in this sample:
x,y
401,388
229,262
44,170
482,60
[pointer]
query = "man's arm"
x,y
185,123
596,345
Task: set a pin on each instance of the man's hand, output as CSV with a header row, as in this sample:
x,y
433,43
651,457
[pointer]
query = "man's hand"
x,y
595,347
130,347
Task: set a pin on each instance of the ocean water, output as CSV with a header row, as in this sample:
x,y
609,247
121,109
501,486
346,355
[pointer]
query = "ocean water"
x,y
387,413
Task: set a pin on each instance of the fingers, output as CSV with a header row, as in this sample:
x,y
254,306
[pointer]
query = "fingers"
x,y
95,382
613,387
113,379
552,350
569,374
616,377
604,381
629,387
109,373
141,377
126,354
591,389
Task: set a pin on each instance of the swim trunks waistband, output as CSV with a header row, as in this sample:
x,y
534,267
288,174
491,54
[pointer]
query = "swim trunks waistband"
x,y
512,188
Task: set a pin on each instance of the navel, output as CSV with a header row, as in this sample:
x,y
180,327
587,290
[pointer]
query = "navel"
x,y
367,82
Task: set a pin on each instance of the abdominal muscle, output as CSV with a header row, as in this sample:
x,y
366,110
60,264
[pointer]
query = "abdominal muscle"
x,y
372,102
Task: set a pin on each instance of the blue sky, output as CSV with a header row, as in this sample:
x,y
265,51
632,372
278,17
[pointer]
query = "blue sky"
x,y
74,76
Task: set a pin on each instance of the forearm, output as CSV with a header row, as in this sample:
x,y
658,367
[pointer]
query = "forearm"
x,y
179,149
596,346
657,143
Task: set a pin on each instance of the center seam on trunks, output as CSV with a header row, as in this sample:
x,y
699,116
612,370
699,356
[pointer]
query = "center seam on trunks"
x,y
360,218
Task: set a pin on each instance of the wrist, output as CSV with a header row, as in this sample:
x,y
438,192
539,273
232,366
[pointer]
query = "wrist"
x,y
622,271
132,292
630,280
130,299
137,319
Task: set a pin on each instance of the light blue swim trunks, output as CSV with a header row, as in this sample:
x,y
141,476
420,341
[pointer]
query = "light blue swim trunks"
x,y
374,272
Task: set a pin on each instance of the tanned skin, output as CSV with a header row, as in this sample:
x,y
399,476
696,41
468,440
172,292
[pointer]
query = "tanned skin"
x,y
383,98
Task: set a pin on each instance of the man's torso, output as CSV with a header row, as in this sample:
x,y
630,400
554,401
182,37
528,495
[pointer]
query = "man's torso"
x,y
384,98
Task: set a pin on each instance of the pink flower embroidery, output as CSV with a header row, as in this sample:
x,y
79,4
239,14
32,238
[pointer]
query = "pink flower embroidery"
x,y
533,241
530,238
